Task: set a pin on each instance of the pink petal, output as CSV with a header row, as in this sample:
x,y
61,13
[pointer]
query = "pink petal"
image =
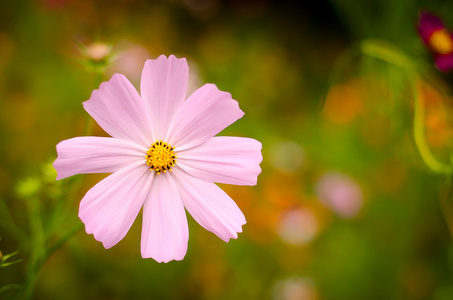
x,y
95,155
204,114
111,206
231,160
163,88
210,206
428,23
165,232
444,62
117,108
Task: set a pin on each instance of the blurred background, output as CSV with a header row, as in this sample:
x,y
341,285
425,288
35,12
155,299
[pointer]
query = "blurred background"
x,y
354,198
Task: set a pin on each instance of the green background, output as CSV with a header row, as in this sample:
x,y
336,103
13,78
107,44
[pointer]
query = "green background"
x,y
281,60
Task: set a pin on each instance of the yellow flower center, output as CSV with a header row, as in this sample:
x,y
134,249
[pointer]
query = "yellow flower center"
x,y
440,41
160,157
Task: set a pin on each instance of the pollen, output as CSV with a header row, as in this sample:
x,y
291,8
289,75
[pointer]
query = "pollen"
x,y
441,42
160,157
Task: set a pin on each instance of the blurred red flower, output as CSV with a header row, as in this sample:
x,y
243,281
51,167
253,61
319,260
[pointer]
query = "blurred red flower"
x,y
439,40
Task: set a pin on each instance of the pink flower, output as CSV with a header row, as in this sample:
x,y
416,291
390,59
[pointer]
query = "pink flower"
x,y
164,157
341,193
438,39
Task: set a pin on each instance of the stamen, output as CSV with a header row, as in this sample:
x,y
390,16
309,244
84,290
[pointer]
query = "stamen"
x,y
441,42
160,157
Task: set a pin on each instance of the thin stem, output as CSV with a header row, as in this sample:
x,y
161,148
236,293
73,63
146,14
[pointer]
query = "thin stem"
x,y
419,135
7,222
37,245
63,239
386,52
39,254
89,125
396,57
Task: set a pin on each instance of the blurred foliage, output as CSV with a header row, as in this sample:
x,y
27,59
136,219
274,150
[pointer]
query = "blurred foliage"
x,y
355,197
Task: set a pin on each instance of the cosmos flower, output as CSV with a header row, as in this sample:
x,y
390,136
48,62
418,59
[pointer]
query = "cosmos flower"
x,y
434,34
164,157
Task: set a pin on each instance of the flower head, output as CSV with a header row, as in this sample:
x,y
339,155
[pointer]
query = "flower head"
x,y
434,34
164,157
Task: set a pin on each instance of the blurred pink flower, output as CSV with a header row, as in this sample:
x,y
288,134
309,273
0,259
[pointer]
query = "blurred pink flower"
x,y
295,288
298,226
340,193
157,132
129,60
434,34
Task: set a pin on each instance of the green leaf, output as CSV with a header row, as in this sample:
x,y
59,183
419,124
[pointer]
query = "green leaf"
x,y
6,257
3,260
9,287
10,263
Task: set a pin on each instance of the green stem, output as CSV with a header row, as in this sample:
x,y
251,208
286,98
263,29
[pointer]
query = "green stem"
x,y
7,222
419,135
63,239
392,55
89,125
386,52
39,254
37,245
